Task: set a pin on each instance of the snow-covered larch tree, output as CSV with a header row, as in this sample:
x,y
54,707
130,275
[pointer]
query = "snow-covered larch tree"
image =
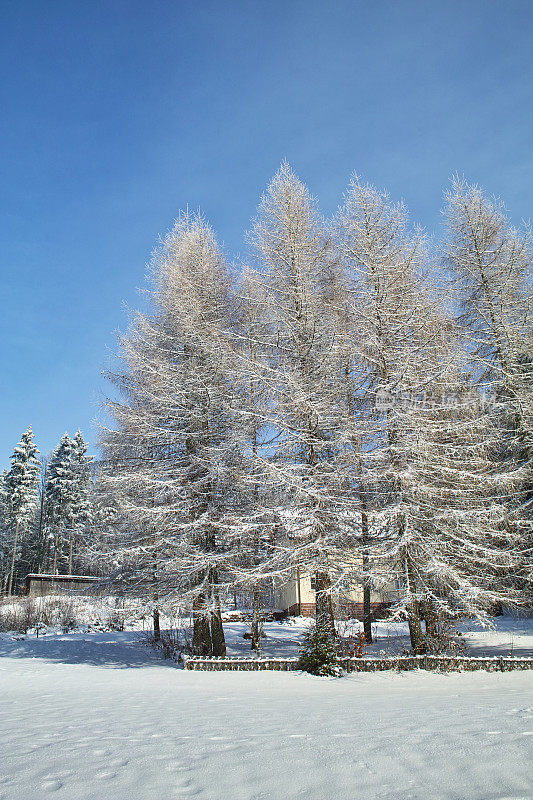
x,y
388,324
170,461
468,557
426,470
490,263
250,381
293,266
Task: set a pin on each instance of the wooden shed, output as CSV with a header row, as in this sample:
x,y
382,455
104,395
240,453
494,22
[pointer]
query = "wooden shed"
x,y
41,585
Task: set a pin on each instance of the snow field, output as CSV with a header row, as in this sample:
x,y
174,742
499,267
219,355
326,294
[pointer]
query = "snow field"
x,y
100,717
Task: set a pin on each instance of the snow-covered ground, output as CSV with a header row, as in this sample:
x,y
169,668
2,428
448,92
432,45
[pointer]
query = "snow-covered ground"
x,y
99,716
511,636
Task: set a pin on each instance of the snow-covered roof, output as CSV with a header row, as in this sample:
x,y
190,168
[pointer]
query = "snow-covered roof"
x,y
50,577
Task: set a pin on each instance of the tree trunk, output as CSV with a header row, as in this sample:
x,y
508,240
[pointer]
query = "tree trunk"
x,y
217,634
57,546
323,604
256,621
41,544
367,611
218,642
413,611
415,631
201,637
157,629
431,620
70,552
12,570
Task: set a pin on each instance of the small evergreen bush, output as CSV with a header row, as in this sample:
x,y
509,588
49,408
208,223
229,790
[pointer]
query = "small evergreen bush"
x,y
319,653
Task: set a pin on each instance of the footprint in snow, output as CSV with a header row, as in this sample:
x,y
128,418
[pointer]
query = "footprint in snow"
x,y
118,762
177,767
106,775
52,785
186,789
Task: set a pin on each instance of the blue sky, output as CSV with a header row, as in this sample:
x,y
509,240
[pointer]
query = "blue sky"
x,y
117,114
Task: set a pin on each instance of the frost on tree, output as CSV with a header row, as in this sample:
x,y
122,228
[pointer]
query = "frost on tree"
x,y
340,407
430,485
306,469
388,331
172,465
491,267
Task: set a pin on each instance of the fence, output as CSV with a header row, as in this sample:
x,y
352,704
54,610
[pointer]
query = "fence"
x,y
348,664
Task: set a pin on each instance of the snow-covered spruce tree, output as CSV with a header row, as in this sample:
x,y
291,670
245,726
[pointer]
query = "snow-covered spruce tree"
x,y
66,504
4,533
170,461
298,372
42,526
82,506
491,268
61,498
318,654
21,492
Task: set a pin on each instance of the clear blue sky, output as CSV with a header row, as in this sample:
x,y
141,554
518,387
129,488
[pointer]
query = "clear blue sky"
x,y
114,115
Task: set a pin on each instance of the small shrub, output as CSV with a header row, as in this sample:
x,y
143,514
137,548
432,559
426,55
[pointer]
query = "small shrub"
x,y
318,655
353,646
8,620
50,608
115,620
67,618
18,615
444,638
170,644
33,614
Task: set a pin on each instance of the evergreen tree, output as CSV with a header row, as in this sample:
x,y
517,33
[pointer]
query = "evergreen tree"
x,y
4,532
42,527
318,655
21,483
82,505
61,499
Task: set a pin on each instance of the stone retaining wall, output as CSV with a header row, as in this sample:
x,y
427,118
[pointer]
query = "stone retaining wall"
x,y
399,663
